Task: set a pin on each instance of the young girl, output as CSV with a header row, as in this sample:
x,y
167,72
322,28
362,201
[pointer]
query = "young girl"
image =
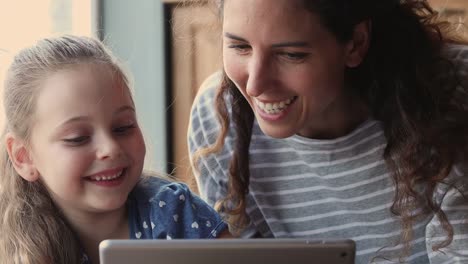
x,y
73,159
339,119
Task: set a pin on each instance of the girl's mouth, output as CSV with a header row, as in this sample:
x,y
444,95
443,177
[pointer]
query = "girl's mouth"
x,y
108,179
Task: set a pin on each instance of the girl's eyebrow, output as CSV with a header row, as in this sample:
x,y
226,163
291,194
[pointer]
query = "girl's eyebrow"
x,y
82,118
74,119
277,45
125,108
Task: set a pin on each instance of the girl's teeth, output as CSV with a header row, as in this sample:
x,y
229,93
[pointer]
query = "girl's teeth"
x,y
106,178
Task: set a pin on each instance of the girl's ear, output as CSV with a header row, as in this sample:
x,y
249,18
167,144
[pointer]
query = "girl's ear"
x,y
358,46
20,158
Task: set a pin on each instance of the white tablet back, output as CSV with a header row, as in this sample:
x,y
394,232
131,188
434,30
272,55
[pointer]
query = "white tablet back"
x,y
227,251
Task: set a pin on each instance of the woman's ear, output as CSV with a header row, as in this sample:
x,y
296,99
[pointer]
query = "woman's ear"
x,y
20,158
358,46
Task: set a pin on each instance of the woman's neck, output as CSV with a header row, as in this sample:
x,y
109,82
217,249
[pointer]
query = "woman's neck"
x,y
339,119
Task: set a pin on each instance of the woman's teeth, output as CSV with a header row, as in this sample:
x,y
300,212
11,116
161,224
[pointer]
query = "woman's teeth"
x,y
274,108
106,177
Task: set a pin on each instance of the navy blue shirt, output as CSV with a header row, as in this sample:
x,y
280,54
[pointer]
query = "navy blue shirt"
x,y
160,209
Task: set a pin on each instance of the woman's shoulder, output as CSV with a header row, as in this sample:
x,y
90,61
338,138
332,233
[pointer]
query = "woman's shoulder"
x,y
207,91
456,179
457,55
459,174
204,125
456,52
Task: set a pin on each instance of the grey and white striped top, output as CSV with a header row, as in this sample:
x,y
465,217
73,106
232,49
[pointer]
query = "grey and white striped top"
x,y
328,189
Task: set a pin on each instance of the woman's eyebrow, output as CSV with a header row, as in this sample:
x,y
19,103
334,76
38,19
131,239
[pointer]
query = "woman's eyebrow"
x,y
276,45
291,44
232,36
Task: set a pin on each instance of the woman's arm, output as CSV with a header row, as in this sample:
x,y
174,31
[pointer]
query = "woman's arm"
x,y
455,205
225,234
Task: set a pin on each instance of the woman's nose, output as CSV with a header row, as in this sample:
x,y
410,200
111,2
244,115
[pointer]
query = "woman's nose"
x,y
259,75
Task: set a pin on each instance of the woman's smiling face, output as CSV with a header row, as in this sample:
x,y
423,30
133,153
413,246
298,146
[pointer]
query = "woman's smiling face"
x,y
287,65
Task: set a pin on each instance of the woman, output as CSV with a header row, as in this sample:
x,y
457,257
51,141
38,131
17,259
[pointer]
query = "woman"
x,y
339,119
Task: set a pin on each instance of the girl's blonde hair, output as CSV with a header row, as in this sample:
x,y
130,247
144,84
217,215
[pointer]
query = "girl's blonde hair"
x,y
32,228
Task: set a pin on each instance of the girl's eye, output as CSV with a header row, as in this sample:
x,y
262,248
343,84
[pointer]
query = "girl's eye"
x,y
76,141
294,56
123,129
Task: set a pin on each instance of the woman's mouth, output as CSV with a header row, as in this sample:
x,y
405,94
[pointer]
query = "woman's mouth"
x,y
274,108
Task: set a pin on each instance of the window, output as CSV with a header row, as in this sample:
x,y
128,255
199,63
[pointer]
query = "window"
x,y
22,22
454,10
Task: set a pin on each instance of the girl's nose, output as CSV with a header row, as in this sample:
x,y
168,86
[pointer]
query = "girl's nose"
x,y
108,148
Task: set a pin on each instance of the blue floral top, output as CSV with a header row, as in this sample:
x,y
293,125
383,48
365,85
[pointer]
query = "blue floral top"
x,y
159,209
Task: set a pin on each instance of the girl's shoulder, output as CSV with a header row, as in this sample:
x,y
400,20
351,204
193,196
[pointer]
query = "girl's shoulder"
x,y
161,208
152,187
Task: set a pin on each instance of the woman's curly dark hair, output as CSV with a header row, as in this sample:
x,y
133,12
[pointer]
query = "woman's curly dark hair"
x,y
406,82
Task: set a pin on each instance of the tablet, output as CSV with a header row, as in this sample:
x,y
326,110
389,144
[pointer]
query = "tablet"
x,y
227,251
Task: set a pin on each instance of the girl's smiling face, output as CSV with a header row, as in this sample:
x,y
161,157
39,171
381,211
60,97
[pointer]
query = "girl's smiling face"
x,y
86,144
287,65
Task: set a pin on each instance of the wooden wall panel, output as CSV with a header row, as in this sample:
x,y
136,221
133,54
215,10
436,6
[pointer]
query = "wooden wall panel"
x,y
196,53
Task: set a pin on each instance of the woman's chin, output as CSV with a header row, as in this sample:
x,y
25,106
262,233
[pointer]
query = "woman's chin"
x,y
276,131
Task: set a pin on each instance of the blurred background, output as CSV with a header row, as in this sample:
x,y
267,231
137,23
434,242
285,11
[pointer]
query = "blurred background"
x,y
169,48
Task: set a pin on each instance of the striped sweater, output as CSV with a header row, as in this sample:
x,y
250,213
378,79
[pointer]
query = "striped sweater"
x,y
328,189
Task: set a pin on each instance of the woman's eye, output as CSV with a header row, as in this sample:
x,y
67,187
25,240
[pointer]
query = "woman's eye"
x,y
123,129
76,140
294,56
240,48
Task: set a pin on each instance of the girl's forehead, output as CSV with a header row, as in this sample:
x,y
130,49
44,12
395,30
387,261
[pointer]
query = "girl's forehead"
x,y
93,68
85,74
82,84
